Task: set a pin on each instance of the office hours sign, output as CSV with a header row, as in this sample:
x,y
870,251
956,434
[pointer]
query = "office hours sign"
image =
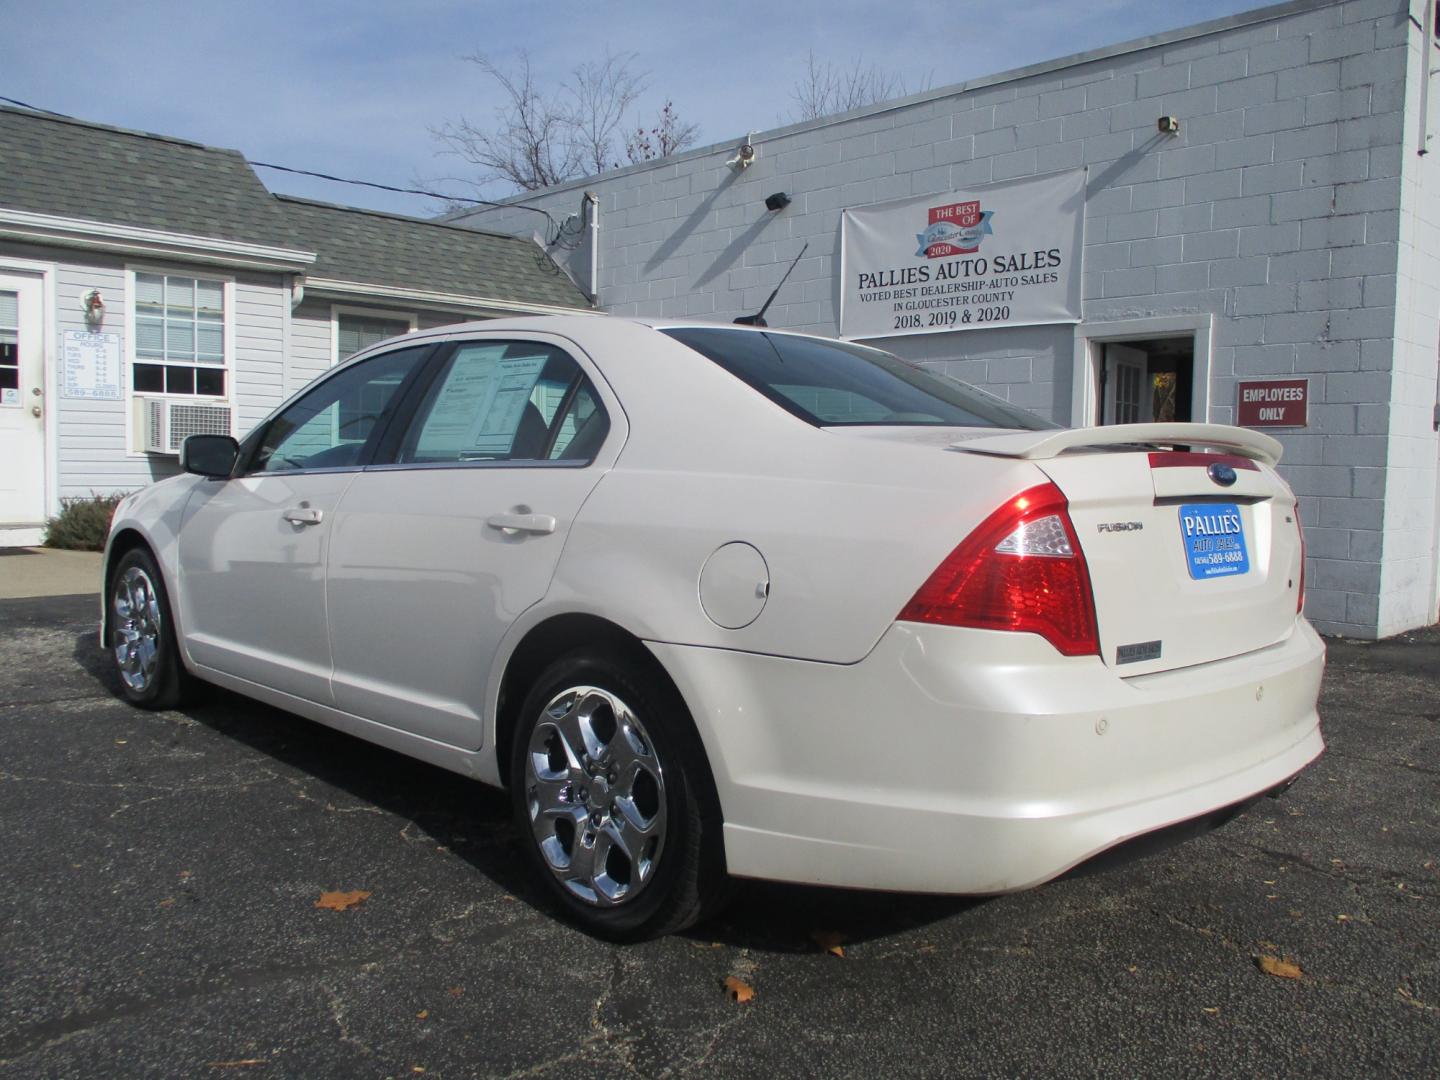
x,y
1000,255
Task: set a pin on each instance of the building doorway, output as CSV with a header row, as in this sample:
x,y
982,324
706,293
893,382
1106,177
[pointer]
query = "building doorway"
x,y
1139,371
22,409
1147,381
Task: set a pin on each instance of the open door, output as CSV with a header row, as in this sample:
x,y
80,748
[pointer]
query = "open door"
x,y
1128,393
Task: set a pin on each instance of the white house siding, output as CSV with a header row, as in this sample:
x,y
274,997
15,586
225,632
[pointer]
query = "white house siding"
x,y
90,432
1277,211
312,343
260,303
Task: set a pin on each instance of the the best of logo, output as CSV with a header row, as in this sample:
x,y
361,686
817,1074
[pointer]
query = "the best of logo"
x,y
955,229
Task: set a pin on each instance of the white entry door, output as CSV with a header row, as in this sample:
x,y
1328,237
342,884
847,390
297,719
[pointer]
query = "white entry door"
x,y
1128,391
22,403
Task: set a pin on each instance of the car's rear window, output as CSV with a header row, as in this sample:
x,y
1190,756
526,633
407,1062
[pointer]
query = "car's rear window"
x,y
835,383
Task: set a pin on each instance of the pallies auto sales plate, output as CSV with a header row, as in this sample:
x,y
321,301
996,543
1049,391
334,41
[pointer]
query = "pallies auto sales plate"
x,y
1214,538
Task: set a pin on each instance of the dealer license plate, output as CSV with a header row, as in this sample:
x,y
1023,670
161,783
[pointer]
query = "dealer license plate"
x,y
1214,538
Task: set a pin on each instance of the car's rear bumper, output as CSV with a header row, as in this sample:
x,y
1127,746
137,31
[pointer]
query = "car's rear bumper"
x,y
972,761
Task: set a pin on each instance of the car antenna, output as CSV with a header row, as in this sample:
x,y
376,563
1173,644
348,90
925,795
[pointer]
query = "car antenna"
x,y
758,319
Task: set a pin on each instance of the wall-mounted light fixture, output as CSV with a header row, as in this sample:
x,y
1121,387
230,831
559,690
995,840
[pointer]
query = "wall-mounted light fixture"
x,y
1168,125
744,156
778,201
94,306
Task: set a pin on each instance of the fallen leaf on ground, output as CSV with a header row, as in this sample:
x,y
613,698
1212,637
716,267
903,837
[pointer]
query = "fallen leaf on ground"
x,y
1342,918
455,991
1211,1010
830,941
738,990
1409,998
423,1014
169,901
339,901
1281,969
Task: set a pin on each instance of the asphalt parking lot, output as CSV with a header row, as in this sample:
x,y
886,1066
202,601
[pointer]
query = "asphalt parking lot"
x,y
160,876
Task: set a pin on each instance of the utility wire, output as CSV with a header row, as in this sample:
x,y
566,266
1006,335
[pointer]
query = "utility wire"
x,y
35,108
407,191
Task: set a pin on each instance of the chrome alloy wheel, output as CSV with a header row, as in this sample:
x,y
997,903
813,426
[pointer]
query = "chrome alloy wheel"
x,y
136,633
596,796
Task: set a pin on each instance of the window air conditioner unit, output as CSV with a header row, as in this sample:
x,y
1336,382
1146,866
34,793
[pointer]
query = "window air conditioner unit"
x,y
164,423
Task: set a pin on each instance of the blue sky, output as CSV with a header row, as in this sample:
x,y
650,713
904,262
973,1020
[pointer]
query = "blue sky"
x,y
353,88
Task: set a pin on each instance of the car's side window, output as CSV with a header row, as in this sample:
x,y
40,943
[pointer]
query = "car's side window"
x,y
500,401
329,427
582,428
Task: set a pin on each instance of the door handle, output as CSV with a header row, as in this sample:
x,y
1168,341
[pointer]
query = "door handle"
x,y
513,524
303,515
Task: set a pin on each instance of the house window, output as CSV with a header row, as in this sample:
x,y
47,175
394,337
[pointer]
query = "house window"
x,y
179,335
355,332
9,348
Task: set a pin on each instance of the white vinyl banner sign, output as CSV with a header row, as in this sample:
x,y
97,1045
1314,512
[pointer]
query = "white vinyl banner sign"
x,y
1000,255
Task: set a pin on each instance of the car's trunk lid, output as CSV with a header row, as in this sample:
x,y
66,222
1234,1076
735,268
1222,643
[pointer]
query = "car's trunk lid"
x,y
1189,534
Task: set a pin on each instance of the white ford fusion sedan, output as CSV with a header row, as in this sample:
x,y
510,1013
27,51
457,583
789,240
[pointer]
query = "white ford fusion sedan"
x,y
715,600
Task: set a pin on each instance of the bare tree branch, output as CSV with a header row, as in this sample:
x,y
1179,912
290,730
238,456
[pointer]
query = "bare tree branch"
x,y
825,89
544,136
669,136
601,94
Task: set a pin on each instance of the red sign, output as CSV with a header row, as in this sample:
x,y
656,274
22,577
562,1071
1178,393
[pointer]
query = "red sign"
x,y
1273,403
965,214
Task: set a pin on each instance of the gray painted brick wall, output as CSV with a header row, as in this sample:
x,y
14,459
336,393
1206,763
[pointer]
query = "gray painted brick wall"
x,y
1278,210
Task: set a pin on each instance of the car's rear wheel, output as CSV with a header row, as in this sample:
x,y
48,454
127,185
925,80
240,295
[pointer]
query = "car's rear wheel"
x,y
610,789
142,635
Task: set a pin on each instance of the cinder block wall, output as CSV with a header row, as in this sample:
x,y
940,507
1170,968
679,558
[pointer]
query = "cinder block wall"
x,y
1277,209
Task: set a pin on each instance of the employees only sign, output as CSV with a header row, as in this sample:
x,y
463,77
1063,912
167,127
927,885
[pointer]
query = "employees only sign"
x,y
1001,255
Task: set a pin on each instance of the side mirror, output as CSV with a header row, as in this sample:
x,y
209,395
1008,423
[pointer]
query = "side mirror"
x,y
212,456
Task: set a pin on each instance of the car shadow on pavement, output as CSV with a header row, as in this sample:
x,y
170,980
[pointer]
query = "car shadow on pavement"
x,y
473,821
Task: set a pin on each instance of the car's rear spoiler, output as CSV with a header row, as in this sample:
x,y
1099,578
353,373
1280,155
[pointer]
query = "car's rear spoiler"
x,y
1052,443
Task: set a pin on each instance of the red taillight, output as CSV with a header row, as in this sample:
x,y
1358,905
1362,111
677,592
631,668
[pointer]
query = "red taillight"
x,y
1300,528
1022,569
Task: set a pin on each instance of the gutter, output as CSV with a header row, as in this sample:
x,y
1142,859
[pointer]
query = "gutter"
x,y
55,231
469,305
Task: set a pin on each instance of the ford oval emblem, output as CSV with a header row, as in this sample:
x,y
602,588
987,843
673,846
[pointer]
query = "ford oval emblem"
x,y
1222,474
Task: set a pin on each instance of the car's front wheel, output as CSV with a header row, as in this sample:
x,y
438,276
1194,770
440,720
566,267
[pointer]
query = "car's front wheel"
x,y
142,635
611,792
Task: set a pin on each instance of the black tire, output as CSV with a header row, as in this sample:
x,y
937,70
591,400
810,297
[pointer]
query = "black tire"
x,y
653,758
141,635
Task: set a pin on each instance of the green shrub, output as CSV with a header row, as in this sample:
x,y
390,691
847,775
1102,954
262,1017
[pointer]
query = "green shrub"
x,y
82,524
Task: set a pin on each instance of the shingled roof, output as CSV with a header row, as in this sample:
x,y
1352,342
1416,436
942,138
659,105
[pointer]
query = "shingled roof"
x,y
426,256
66,168
71,168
